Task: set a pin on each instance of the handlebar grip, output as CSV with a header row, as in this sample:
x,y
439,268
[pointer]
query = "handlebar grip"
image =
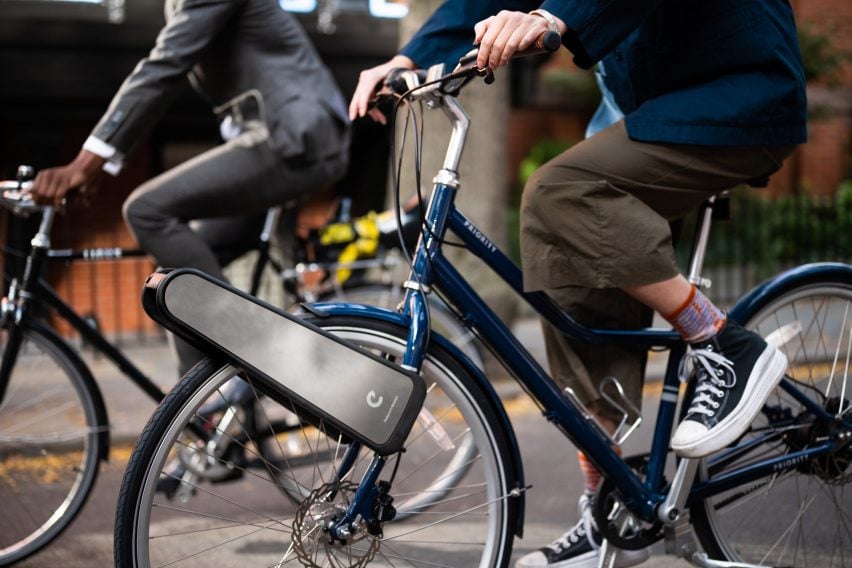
x,y
550,41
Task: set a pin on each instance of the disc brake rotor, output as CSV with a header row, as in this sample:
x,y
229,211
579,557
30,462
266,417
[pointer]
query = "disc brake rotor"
x,y
312,542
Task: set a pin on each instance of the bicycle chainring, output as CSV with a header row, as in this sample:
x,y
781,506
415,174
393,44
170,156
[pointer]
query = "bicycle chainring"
x,y
312,542
615,522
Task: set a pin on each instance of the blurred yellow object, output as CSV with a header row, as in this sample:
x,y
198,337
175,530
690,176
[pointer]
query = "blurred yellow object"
x,y
362,234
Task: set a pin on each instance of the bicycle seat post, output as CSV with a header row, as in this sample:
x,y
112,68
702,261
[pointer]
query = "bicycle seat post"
x,y
699,247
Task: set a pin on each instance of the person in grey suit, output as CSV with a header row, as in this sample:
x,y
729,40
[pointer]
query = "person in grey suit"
x,y
282,117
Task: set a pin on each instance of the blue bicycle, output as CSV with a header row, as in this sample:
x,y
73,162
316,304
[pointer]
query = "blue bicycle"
x,y
454,495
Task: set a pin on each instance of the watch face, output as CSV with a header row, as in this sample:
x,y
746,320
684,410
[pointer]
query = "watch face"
x,y
389,8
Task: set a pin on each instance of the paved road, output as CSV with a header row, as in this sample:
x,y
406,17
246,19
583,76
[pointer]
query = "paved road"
x,y
551,504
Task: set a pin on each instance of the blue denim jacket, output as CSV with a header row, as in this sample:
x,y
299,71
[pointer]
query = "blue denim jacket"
x,y
713,72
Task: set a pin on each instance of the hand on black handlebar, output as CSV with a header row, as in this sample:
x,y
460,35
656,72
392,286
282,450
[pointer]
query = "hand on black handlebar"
x,y
502,36
53,186
370,84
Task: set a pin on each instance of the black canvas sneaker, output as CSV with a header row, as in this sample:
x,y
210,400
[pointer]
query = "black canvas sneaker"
x,y
579,547
735,372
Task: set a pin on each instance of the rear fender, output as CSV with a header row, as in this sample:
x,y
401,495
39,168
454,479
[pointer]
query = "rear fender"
x,y
769,290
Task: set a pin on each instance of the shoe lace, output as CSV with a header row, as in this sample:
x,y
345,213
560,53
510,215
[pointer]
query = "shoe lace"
x,y
711,370
583,529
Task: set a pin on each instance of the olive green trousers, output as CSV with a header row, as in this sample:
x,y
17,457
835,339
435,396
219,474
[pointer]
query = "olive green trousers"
x,y
596,219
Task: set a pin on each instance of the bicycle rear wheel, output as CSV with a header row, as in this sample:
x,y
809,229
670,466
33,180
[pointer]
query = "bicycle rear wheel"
x,y
800,517
467,518
49,443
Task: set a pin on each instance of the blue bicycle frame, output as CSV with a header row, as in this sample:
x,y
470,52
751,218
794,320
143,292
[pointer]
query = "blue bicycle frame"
x,y
431,268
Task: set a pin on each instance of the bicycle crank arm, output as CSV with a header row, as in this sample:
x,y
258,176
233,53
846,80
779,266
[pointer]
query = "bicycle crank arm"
x,y
701,559
328,380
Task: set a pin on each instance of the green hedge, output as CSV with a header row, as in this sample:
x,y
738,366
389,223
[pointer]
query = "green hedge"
x,y
771,233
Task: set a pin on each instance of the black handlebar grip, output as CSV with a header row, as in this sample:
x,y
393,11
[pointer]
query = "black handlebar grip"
x,y
551,41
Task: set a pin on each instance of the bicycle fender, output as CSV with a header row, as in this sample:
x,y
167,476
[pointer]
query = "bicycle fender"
x,y
326,309
770,289
359,394
91,385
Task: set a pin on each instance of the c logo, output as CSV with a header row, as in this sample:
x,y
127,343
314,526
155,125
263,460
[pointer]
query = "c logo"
x,y
373,401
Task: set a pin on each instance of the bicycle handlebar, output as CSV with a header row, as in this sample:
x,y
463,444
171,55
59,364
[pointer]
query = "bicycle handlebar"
x,y
15,196
407,81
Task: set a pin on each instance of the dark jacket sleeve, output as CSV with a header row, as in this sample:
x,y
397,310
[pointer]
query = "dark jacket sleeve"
x,y
448,33
597,27
148,91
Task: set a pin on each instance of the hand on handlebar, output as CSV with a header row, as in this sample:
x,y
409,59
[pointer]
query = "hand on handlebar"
x,y
51,186
507,33
370,84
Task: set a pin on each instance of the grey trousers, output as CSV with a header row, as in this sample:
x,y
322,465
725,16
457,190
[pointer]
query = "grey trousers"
x,y
229,188
597,219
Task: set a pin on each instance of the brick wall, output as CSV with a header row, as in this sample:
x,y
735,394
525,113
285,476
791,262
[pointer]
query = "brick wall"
x,y
834,18
107,290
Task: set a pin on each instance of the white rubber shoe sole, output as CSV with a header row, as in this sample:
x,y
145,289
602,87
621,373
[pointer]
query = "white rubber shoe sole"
x,y
623,559
694,440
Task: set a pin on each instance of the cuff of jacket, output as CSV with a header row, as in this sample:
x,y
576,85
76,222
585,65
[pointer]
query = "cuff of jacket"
x,y
114,159
576,16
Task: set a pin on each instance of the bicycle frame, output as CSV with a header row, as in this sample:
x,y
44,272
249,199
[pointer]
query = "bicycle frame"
x,y
431,268
32,289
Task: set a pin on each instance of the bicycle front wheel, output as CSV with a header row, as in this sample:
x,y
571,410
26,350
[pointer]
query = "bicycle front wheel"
x,y
802,516
49,442
451,488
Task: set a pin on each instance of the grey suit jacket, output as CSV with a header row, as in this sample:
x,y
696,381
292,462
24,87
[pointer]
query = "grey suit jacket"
x,y
234,51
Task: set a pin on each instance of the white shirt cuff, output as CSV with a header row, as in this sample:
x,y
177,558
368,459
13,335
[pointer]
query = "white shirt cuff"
x,y
114,158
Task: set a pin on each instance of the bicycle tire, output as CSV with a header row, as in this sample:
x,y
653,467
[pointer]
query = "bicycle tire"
x,y
50,444
473,523
442,318
801,517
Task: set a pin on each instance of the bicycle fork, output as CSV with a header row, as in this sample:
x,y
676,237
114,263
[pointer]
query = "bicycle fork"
x,y
14,306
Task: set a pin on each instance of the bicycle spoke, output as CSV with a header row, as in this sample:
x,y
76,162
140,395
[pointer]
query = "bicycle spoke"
x,y
236,522
208,549
218,496
431,458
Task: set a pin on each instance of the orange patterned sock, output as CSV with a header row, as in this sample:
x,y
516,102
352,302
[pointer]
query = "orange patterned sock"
x,y
697,319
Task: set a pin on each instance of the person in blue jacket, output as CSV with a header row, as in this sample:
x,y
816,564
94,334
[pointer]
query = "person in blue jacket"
x,y
698,97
